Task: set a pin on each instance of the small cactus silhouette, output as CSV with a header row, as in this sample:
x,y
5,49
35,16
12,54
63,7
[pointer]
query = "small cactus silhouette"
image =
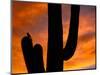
x,y
33,55
56,53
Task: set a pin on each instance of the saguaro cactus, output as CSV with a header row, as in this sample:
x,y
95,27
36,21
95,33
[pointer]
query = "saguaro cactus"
x,y
56,54
33,55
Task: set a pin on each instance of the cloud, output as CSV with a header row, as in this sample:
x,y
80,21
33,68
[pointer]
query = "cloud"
x,y
26,15
87,36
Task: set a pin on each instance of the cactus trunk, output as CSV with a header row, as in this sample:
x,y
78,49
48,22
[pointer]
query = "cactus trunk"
x,y
55,38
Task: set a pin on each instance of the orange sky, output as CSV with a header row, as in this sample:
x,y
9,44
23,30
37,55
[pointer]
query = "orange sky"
x,y
33,18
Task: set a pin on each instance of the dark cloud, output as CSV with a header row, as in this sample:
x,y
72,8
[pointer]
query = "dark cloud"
x,y
86,37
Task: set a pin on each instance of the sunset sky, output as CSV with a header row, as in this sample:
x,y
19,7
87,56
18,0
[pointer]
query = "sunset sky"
x,y
32,17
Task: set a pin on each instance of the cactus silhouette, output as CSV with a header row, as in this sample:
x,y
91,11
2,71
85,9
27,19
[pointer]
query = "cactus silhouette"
x,y
56,53
55,39
33,55
70,47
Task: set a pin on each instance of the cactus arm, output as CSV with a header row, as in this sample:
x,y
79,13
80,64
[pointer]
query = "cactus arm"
x,y
37,59
73,33
32,55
